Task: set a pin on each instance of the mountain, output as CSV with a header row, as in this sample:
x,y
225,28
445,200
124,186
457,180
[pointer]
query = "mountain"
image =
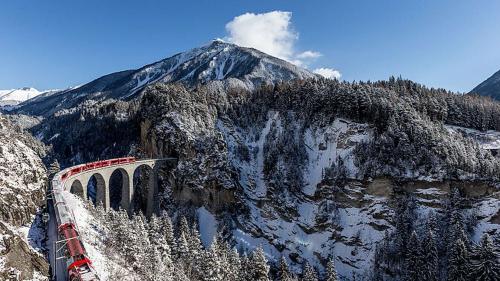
x,y
217,61
490,87
307,170
9,98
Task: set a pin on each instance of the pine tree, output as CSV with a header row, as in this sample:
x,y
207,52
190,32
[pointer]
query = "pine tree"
x,y
331,272
246,272
458,262
430,260
54,167
228,259
184,227
167,230
139,243
309,273
179,273
283,271
121,238
182,249
212,269
486,267
405,217
234,265
413,259
260,268
432,224
154,268
195,246
156,236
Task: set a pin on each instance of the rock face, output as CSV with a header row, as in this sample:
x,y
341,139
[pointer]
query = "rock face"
x,y
292,180
23,182
490,87
18,260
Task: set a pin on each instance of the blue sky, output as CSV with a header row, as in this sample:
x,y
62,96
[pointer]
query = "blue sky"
x,y
57,44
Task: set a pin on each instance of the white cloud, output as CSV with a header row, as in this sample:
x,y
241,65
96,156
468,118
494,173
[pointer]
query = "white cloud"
x,y
328,73
309,55
272,33
269,32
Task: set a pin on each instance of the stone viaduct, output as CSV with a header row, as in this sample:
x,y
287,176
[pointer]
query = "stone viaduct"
x,y
80,183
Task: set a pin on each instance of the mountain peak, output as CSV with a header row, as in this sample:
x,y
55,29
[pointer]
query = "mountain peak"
x,y
10,98
490,87
216,61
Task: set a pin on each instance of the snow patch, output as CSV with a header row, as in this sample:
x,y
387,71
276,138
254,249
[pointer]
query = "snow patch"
x,y
487,139
207,225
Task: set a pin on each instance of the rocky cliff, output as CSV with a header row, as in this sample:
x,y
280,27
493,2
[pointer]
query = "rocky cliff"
x,y
311,184
23,181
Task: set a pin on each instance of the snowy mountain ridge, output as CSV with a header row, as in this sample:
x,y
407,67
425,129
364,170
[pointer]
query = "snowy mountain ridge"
x,y
12,97
217,61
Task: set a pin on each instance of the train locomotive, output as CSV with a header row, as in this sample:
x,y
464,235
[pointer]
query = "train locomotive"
x,y
79,266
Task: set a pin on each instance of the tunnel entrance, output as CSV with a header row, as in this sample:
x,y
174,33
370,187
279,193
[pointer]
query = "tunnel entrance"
x,y
119,192
142,179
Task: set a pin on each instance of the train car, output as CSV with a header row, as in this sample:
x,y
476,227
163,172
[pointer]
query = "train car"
x,y
75,171
89,166
79,266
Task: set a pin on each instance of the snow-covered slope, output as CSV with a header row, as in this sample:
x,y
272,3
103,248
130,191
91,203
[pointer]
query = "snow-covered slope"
x,y
237,66
490,87
19,95
9,98
93,238
488,140
286,221
292,179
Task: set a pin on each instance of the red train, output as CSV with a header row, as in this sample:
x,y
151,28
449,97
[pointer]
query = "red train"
x,y
95,165
79,265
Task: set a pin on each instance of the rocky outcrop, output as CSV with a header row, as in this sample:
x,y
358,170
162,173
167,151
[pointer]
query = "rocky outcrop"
x,y
18,260
23,181
23,177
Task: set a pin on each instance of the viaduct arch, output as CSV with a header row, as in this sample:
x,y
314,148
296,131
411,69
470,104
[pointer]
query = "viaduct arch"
x,y
121,196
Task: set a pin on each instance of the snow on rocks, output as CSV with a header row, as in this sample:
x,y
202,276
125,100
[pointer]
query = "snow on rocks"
x,y
208,226
325,145
93,237
22,187
487,139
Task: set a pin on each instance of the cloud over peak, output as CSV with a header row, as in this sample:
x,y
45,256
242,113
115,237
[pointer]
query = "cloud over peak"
x,y
271,33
